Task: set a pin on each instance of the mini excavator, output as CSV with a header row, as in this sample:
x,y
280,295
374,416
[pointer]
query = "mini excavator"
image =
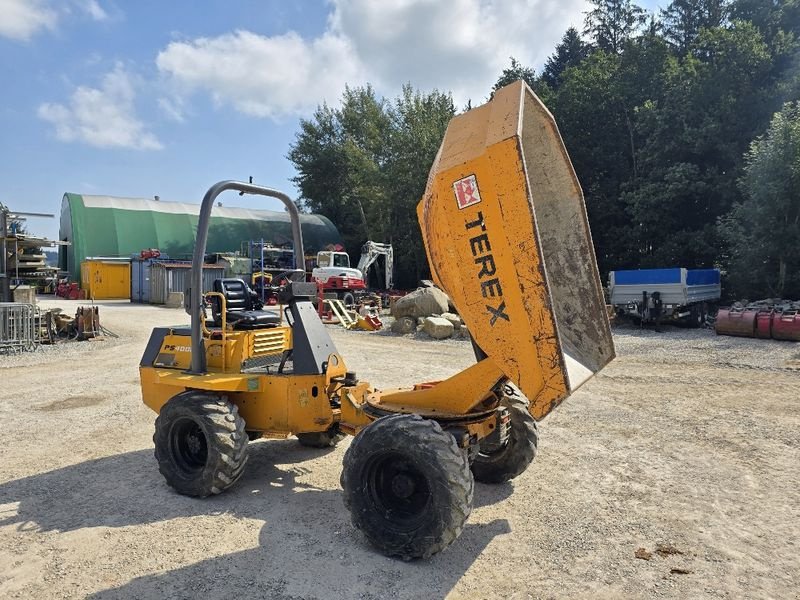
x,y
506,235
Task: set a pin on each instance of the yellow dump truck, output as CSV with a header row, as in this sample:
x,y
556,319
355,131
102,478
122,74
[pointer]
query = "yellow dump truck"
x,y
505,230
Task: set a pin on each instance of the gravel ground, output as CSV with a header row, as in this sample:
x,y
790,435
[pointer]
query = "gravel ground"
x,y
688,443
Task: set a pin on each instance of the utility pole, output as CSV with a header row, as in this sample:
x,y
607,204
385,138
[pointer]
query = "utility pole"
x,y
5,288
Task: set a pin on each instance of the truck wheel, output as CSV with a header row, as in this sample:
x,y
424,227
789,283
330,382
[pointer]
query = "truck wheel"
x,y
698,315
200,443
506,454
407,485
348,299
321,439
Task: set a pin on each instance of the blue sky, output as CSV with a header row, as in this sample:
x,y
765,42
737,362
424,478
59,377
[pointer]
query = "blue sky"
x,y
149,97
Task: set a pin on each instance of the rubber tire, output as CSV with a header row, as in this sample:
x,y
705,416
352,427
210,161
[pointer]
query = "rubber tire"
x,y
697,316
348,299
437,459
320,439
518,453
225,438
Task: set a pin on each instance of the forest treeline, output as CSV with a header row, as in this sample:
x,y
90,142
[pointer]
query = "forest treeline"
x,y
683,128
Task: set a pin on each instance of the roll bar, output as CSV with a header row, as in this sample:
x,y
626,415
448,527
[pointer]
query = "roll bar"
x,y
194,294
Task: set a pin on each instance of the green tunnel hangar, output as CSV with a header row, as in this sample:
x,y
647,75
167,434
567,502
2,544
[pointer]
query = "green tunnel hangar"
x,y
108,226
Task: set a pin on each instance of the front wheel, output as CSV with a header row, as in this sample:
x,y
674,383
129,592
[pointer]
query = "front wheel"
x,y
512,447
200,443
407,485
348,299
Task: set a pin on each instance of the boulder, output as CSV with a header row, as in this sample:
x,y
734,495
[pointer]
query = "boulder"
x,y
438,328
422,302
453,318
404,325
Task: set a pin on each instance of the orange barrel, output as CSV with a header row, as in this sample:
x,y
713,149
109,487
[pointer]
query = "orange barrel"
x,y
736,321
786,325
764,324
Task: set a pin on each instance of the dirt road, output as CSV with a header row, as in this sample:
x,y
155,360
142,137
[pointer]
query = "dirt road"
x,y
687,440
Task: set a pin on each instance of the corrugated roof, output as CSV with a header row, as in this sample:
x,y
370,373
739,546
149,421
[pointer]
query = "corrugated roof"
x,y
113,226
183,208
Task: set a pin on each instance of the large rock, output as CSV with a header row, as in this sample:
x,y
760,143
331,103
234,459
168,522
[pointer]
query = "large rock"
x,y
422,302
438,328
453,318
404,325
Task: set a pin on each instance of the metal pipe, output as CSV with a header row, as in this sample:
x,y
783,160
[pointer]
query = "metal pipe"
x,y
263,291
5,289
16,214
194,295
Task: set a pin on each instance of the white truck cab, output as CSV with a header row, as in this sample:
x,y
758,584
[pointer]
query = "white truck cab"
x,y
334,264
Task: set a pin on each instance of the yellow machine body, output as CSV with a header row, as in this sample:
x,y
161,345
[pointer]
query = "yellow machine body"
x,y
271,403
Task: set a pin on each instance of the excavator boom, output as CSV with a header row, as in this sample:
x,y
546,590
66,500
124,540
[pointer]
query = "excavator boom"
x,y
505,229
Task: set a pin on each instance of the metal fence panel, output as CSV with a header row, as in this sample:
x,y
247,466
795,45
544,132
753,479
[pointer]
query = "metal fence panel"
x,y
18,327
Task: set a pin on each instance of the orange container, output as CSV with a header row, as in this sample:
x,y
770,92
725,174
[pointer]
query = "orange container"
x,y
736,321
786,325
764,324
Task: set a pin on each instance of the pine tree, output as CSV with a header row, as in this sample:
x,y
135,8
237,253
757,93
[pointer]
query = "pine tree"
x,y
682,20
514,73
612,22
569,53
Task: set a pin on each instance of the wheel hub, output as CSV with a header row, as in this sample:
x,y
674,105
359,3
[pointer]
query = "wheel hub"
x,y
193,442
188,446
397,487
403,486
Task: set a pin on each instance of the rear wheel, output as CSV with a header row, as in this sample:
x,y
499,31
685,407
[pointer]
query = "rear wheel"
x,y
200,443
407,485
697,315
348,299
512,447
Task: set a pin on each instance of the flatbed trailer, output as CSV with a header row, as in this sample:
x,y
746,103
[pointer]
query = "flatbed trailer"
x,y
660,295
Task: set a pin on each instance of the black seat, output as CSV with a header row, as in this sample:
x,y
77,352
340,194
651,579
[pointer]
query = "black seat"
x,y
243,308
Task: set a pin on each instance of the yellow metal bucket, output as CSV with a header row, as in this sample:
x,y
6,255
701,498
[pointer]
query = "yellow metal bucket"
x,y
505,229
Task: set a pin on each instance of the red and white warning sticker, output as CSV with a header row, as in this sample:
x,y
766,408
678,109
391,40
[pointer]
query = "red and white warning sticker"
x,y
467,192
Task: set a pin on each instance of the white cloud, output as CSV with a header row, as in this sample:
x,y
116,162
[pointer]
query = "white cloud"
x,y
20,19
459,46
103,117
94,10
262,76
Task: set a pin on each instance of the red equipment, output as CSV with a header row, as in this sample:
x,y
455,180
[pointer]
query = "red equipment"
x,y
777,322
786,325
150,253
736,321
764,324
69,290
